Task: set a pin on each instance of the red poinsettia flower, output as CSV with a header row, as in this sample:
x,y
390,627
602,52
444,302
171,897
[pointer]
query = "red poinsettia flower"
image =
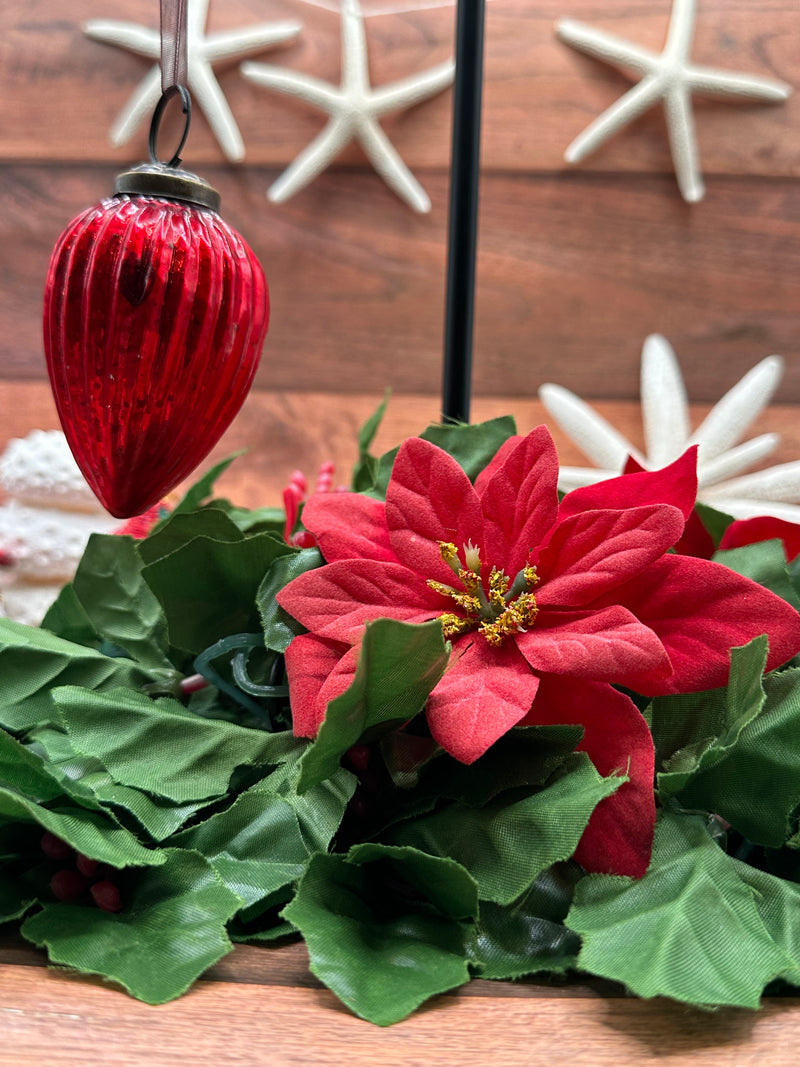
x,y
763,528
546,607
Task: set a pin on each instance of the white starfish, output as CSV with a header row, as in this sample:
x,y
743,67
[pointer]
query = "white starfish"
x,y
668,76
667,433
203,50
354,108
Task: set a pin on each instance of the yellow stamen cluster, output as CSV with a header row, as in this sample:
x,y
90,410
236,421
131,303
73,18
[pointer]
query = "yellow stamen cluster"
x,y
508,608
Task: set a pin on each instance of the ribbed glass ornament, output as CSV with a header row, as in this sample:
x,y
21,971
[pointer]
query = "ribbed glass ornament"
x,y
155,314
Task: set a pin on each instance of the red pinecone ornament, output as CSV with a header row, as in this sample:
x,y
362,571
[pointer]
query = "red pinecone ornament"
x,y
155,314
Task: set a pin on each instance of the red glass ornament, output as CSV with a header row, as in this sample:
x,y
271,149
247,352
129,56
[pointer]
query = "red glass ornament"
x,y
155,314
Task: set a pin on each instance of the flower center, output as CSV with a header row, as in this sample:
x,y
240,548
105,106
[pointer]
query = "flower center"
x,y
506,608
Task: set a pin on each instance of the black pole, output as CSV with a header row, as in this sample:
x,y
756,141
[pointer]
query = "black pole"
x,y
462,241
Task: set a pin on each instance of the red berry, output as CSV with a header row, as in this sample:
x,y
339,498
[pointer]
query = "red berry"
x,y
67,885
106,896
359,756
87,866
54,848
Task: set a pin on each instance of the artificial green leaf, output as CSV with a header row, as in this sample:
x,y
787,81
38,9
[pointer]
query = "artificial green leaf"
x,y
178,529
88,832
372,939
208,588
24,772
508,843
15,899
171,928
320,809
756,787
528,935
716,522
33,662
257,520
765,563
694,731
399,665
365,469
471,446
778,904
689,929
204,486
67,618
279,627
118,602
159,747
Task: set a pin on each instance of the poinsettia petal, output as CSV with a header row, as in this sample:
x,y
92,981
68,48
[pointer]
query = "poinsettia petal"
x,y
520,502
619,836
607,645
430,499
336,600
593,552
763,528
349,526
317,671
483,693
700,610
675,484
497,460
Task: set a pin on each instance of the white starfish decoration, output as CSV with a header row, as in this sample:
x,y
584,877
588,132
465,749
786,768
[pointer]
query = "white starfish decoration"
x,y
203,50
667,433
668,76
354,108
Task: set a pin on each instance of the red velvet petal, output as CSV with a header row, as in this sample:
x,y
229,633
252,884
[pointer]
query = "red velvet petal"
x,y
700,610
483,693
336,600
497,460
593,552
609,645
349,526
763,528
430,499
619,837
520,502
696,540
317,671
675,484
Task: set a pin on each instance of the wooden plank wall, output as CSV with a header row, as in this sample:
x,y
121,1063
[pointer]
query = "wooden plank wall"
x,y
576,265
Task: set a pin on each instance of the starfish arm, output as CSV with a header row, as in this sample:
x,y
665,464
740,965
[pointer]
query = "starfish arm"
x,y
305,87
623,111
728,420
127,35
749,86
738,459
683,143
681,31
665,409
140,105
355,61
594,435
412,90
755,509
780,483
605,46
387,162
215,108
570,478
234,43
312,161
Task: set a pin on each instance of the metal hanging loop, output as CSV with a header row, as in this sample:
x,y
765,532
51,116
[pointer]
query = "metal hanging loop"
x,y
186,106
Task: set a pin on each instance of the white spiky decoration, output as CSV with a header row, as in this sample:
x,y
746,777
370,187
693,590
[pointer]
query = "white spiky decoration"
x,y
722,455
46,519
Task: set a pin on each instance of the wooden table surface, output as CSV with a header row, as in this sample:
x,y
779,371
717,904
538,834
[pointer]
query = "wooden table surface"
x,y
260,1005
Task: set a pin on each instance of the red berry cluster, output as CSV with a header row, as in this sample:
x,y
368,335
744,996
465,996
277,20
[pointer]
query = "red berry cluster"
x,y
71,883
358,759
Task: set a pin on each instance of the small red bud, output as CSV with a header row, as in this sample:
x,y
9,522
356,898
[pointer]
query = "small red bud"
x,y
67,885
87,866
54,848
106,896
359,756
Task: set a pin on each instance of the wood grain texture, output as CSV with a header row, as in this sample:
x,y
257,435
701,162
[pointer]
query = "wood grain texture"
x,y
284,431
63,1021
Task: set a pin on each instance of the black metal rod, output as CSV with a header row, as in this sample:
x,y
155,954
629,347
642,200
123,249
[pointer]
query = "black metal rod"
x,y
462,244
